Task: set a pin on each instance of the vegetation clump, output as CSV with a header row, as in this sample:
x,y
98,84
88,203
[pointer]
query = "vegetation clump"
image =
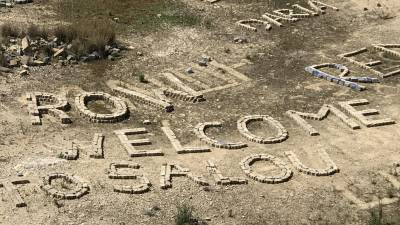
x,y
66,43
184,216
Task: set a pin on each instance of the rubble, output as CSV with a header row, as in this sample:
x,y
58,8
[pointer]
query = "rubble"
x,y
39,52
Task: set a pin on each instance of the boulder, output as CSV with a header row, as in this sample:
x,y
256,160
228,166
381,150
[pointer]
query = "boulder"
x,y
189,70
60,52
70,57
5,70
46,60
26,60
24,72
114,52
13,63
240,40
25,43
202,62
93,56
38,63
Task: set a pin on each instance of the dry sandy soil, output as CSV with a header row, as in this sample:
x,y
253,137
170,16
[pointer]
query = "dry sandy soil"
x,y
275,64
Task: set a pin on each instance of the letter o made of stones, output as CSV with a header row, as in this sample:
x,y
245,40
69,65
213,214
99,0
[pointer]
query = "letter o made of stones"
x,y
285,175
120,113
81,188
242,123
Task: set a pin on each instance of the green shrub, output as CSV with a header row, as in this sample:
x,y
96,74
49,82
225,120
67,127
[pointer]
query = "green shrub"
x,y
9,30
376,217
65,33
142,78
34,31
184,216
3,60
87,36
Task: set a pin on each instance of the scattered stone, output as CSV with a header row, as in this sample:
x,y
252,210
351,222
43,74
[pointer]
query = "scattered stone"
x,y
24,72
25,43
38,63
26,60
189,70
114,52
146,122
202,62
46,60
59,53
240,40
70,57
13,63
16,52
5,70
22,1
94,55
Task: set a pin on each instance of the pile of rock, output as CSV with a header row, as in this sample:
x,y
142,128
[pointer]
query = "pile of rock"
x,y
26,52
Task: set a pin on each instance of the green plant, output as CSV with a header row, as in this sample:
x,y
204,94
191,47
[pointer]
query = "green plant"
x,y
60,155
376,217
142,78
140,16
3,60
184,216
87,36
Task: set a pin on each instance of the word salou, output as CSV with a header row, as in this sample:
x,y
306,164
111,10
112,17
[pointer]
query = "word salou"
x,y
287,15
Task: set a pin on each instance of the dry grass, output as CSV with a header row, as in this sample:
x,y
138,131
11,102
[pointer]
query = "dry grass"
x,y
87,37
34,31
130,15
383,12
8,30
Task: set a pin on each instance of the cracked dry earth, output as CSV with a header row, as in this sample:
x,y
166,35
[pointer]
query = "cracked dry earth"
x,y
265,76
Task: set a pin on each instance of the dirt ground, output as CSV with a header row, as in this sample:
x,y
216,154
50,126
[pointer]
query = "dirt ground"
x,y
275,62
